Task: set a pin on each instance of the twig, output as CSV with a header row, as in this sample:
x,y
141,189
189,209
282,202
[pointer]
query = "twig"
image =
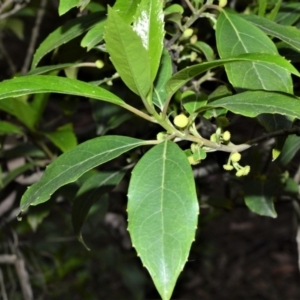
x,y
3,290
34,36
281,132
24,279
5,4
16,8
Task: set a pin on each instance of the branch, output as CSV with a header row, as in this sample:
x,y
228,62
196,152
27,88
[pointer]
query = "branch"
x,y
16,8
281,132
34,36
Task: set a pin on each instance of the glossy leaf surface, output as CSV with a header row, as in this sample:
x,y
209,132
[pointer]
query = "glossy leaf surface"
x,y
63,138
128,54
66,5
251,104
237,36
159,95
126,9
149,25
64,34
35,84
94,36
288,34
183,76
289,150
162,213
71,165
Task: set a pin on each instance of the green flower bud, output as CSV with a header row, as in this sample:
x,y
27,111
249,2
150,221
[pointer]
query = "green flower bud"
x,y
235,157
181,121
213,138
99,64
161,136
188,33
226,136
222,3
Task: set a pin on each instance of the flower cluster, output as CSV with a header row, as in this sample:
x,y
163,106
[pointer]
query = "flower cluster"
x,y
233,163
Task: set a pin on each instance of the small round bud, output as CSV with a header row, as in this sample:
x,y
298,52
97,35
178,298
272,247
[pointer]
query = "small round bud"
x,y
161,136
99,64
226,136
181,121
235,157
213,138
193,56
193,39
222,3
188,33
228,167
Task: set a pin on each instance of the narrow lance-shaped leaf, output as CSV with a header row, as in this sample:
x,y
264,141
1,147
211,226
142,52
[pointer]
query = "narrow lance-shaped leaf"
x,y
185,75
26,85
94,35
65,33
162,213
237,36
128,54
66,5
149,25
159,95
71,165
253,103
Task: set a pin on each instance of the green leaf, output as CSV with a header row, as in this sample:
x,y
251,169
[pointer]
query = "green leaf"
x,y
182,77
162,213
126,9
288,14
91,191
253,103
35,84
174,8
259,197
165,70
123,45
149,25
262,6
63,138
9,128
66,5
192,101
204,48
236,36
288,34
289,150
19,108
15,173
48,69
94,36
64,34
71,165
